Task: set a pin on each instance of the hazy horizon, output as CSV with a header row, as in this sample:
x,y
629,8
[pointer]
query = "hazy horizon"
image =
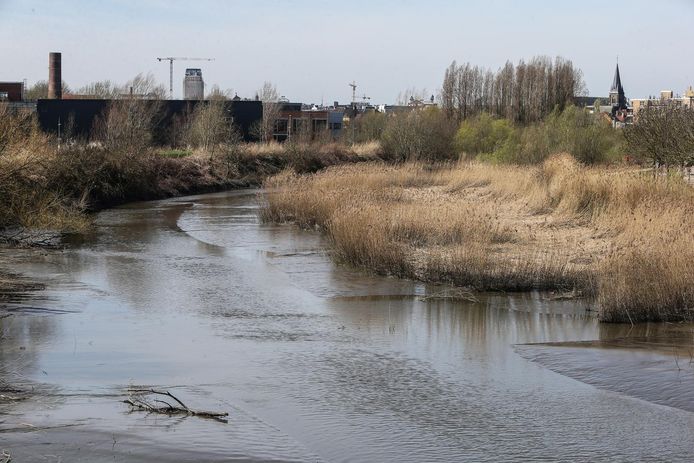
x,y
311,50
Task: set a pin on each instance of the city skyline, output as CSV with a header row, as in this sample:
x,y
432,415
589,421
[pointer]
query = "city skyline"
x,y
311,50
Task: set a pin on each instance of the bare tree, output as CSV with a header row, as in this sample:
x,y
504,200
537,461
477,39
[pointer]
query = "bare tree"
x,y
104,89
218,94
210,126
269,95
448,90
40,90
140,86
664,134
413,96
145,85
128,124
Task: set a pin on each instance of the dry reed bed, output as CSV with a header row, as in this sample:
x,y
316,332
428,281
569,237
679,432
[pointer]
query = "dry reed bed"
x,y
616,235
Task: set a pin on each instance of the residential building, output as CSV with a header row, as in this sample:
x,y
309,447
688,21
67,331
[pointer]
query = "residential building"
x,y
667,97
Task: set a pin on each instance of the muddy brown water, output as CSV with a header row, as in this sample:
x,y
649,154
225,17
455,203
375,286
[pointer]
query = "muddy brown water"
x,y
316,361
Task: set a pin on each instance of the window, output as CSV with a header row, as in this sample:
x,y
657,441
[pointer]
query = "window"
x,y
4,96
297,125
319,124
281,126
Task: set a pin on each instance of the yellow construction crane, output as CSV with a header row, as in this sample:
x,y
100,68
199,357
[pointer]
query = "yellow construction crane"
x,y
171,60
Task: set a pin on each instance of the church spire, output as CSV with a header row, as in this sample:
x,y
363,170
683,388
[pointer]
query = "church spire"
x,y
617,82
617,96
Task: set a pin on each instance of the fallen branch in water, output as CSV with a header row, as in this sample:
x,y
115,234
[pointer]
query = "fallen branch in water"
x,y
4,398
138,401
573,294
455,294
10,394
5,457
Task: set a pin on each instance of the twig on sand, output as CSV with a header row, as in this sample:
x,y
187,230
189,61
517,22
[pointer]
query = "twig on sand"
x,y
139,401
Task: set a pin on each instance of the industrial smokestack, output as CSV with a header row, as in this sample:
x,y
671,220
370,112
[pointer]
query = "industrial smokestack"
x,y
55,79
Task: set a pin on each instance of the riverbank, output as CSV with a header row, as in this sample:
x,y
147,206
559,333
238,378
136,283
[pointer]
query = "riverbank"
x,y
49,187
616,236
48,190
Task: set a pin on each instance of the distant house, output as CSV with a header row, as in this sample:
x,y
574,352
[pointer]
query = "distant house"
x,y
12,91
295,120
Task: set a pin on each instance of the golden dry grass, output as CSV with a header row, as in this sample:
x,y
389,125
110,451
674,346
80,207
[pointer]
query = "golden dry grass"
x,y
618,235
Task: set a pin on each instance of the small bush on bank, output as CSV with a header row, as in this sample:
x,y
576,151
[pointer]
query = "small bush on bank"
x,y
368,127
484,135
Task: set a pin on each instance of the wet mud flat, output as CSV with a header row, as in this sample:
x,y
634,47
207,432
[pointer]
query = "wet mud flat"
x,y
314,361
652,362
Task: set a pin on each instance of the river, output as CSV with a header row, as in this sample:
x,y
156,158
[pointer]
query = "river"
x,y
316,361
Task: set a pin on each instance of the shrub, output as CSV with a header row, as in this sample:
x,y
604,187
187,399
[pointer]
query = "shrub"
x,y
484,135
368,127
425,135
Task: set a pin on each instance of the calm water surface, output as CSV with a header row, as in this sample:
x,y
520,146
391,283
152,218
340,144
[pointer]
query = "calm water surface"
x,y
315,361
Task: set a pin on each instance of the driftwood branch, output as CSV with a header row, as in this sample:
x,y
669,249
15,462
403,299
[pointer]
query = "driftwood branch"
x,y
455,294
138,400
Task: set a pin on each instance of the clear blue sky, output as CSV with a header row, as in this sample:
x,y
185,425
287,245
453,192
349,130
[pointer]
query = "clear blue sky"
x,y
311,49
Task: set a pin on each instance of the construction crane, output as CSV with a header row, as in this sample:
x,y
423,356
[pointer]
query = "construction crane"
x,y
171,60
353,112
353,84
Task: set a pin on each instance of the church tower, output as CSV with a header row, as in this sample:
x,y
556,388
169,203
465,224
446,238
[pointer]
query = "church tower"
x,y
617,98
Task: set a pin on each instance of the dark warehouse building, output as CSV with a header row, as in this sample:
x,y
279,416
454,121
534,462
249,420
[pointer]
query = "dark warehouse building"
x,y
80,116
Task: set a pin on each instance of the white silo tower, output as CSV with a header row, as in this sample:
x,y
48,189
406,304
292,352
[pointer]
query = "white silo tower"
x,y
193,85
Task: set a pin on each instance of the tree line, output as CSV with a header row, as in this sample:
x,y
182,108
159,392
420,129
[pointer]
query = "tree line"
x,y
524,93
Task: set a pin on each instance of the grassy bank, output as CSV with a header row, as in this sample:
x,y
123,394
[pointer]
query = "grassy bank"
x,y
616,235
